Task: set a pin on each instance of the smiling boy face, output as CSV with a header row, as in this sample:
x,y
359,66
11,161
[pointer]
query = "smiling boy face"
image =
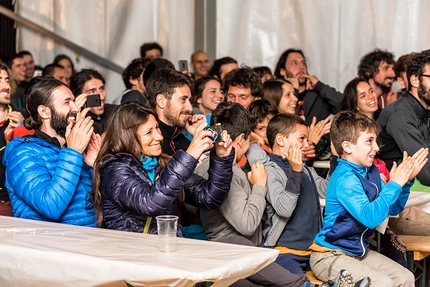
x,y
364,151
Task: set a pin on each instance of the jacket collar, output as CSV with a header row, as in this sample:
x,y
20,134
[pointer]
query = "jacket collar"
x,y
416,106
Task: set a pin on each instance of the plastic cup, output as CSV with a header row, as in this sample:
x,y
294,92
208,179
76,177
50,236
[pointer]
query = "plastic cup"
x,y
167,226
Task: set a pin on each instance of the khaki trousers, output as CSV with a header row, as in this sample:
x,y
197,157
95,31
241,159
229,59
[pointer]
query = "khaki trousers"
x,y
382,271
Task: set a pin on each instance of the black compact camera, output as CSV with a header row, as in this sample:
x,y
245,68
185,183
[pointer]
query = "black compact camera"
x,y
216,133
93,101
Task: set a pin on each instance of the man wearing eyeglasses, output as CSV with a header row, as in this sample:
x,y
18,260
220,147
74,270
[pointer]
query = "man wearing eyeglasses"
x,y
404,125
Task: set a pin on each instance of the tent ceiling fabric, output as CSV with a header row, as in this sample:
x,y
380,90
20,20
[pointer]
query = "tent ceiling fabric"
x,y
114,29
333,34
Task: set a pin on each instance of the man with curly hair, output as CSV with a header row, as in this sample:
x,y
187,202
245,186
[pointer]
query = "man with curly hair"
x,y
243,86
377,67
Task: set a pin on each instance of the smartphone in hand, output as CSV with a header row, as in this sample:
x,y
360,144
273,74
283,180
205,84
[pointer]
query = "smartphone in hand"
x,y
182,65
93,101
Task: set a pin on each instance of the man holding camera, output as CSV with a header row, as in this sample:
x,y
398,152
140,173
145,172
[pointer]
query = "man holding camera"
x,y
48,174
169,92
91,82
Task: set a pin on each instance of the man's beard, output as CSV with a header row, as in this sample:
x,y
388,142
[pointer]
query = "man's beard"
x,y
424,94
385,88
59,123
175,121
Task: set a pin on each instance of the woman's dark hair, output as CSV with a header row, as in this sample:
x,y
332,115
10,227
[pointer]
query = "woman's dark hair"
x,y
60,57
350,96
121,136
199,87
273,90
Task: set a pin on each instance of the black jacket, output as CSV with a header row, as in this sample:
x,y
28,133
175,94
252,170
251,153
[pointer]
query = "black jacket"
x,y
129,197
404,126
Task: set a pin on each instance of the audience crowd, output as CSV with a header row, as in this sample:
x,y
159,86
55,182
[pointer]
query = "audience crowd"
x,y
68,156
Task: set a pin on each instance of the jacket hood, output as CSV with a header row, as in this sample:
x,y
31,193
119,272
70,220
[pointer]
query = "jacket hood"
x,y
256,153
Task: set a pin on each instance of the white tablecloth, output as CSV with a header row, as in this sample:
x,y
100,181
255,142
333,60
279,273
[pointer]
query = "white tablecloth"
x,y
35,253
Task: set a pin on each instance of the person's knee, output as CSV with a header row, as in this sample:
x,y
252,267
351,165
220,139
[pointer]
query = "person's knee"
x,y
409,278
381,280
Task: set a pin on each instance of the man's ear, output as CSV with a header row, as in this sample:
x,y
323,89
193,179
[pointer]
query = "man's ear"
x,y
239,139
133,82
44,112
282,72
160,101
415,81
199,100
279,140
346,146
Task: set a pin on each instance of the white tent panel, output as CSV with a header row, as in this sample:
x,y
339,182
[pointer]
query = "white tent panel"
x,y
333,34
113,29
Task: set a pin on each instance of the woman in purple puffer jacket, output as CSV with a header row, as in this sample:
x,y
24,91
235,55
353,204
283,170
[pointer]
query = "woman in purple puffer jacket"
x,y
134,181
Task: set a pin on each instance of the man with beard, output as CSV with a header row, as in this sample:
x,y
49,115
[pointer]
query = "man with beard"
x,y
315,99
9,119
48,174
91,82
404,125
377,67
169,92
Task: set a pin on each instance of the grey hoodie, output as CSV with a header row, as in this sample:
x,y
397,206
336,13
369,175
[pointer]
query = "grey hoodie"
x,y
280,202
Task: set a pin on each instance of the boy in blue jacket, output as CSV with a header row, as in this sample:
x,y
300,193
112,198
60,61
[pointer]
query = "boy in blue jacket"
x,y
357,201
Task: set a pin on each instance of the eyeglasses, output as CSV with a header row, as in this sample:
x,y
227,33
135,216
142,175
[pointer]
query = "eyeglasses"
x,y
423,75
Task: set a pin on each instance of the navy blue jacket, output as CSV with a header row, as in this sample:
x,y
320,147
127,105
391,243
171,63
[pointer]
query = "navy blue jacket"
x,y
129,197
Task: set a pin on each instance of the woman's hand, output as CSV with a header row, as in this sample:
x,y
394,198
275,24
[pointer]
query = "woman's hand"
x,y
201,141
93,149
316,131
223,148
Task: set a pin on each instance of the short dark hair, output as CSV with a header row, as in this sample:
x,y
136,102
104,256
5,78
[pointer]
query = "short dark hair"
x,y
261,109
262,70
40,94
199,86
150,46
283,58
25,53
401,64
284,124
156,64
369,63
134,70
216,67
416,65
347,126
164,82
49,70
234,118
79,79
8,60
350,96
244,77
